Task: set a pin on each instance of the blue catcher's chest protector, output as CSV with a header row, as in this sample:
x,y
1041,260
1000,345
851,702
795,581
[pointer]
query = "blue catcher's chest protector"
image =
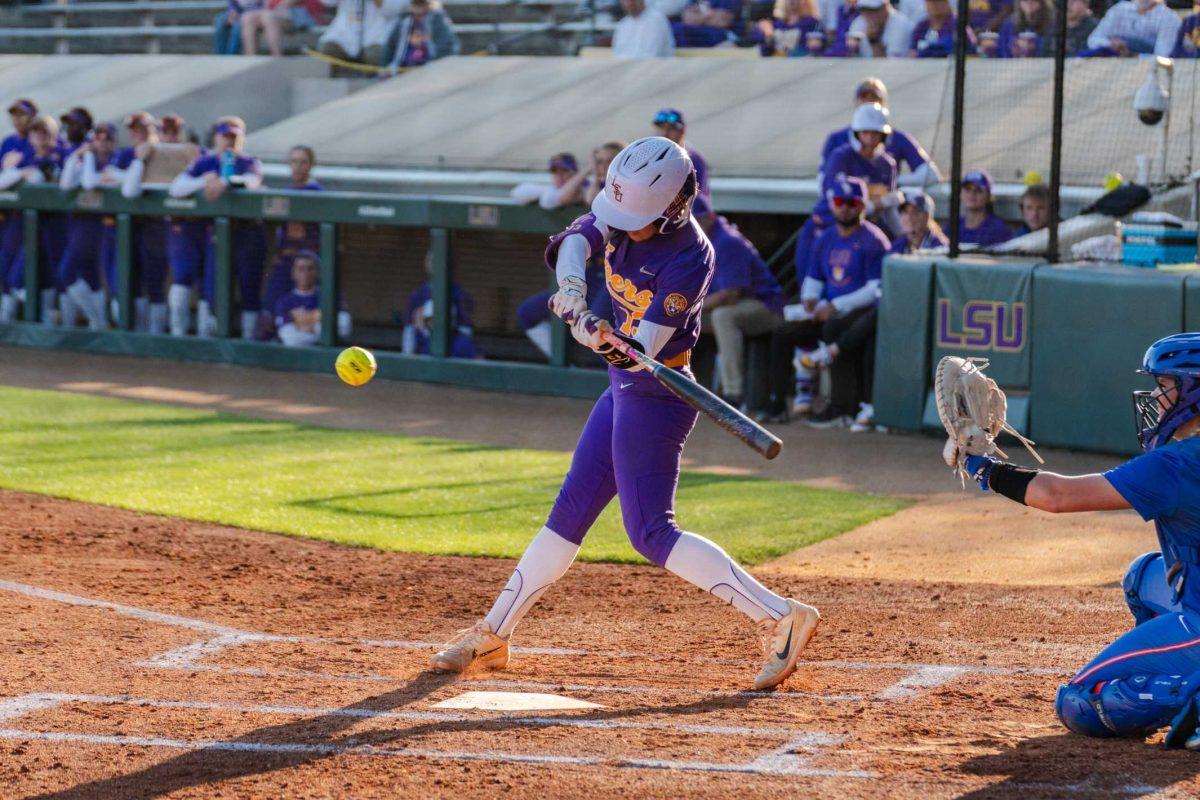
x,y
1163,486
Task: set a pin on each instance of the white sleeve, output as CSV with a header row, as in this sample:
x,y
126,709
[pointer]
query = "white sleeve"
x,y
527,192
1100,34
551,198
666,37
131,184
1168,32
34,177
925,175
811,288
90,178
859,298
573,254
185,185
9,177
653,337
254,178
72,170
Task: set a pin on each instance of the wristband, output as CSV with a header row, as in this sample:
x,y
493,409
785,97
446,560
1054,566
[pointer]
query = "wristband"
x,y
618,359
1010,480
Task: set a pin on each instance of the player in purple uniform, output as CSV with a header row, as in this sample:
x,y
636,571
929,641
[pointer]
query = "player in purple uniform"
x,y
921,230
76,127
865,158
42,163
290,238
20,113
899,145
298,310
840,294
658,265
979,224
89,251
214,173
670,125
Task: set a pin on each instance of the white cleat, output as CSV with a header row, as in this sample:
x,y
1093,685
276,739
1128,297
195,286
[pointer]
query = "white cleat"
x,y
783,641
472,646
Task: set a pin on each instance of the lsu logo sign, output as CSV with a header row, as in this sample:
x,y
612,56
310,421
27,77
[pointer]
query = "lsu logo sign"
x,y
982,325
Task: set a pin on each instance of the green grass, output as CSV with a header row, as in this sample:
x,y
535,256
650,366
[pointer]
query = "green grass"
x,y
418,495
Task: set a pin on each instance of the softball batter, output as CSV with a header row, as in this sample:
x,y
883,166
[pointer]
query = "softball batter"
x,y
658,264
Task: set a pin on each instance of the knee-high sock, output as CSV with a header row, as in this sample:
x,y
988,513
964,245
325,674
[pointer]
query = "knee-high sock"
x,y
98,314
158,318
547,559
704,563
8,307
68,310
179,300
50,307
540,335
249,320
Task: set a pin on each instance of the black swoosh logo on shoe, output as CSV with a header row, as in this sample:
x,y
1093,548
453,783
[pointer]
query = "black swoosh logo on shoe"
x,y
782,654
488,653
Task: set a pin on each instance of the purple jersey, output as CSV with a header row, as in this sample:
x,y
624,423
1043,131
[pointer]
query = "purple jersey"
x,y
789,37
845,263
992,230
308,301
878,172
292,237
242,165
931,42
50,165
15,143
663,279
1187,44
739,266
932,241
899,145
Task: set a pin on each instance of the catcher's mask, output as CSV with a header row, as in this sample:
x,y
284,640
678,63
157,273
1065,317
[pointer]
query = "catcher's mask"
x,y
1175,357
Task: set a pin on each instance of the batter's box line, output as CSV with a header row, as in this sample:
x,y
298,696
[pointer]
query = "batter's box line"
x,y
921,677
783,760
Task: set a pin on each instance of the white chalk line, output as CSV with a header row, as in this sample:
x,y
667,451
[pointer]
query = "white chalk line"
x,y
779,761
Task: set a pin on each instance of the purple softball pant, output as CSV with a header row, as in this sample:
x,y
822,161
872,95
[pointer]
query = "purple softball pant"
x,y
630,447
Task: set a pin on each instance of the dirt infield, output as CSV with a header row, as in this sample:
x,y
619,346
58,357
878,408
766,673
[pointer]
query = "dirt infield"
x,y
146,657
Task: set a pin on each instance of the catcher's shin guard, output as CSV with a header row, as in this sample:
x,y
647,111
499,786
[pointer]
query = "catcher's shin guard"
x,y
1128,706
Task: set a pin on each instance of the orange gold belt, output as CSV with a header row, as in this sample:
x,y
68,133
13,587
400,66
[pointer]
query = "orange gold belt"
x,y
682,360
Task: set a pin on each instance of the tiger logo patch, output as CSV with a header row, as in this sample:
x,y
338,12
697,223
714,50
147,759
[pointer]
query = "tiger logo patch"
x,y
675,304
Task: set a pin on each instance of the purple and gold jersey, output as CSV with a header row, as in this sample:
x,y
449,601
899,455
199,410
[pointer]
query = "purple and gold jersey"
x,y
879,173
308,301
899,145
845,263
663,279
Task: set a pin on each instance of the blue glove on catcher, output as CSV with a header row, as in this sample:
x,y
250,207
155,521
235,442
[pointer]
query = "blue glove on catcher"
x,y
980,469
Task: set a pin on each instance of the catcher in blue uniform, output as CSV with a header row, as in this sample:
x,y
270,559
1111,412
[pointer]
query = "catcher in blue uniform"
x,y
1149,677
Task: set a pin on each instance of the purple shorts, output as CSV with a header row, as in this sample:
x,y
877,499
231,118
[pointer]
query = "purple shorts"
x,y
630,447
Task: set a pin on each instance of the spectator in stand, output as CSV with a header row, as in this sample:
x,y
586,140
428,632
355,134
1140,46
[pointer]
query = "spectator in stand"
x,y
899,145
786,33
708,23
1135,28
979,224
866,159
1028,32
913,9
1035,209
566,185
298,311
921,230
360,29
274,18
291,239
880,31
643,32
416,338
988,15
1187,44
227,30
216,173
41,163
840,295
669,123
1080,24
933,37
426,33
76,125
743,300
90,247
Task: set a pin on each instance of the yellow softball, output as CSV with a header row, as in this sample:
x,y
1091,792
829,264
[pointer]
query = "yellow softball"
x,y
355,366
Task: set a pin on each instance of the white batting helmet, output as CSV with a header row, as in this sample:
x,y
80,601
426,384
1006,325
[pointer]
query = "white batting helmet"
x,y
652,179
871,117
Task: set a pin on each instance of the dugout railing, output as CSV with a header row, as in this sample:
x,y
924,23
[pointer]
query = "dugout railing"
x,y
442,217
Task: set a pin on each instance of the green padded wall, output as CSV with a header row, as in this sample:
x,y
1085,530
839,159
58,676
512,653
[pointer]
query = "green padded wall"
x,y
1092,325
902,349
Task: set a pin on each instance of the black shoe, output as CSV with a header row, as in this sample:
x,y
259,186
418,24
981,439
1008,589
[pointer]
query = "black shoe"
x,y
828,419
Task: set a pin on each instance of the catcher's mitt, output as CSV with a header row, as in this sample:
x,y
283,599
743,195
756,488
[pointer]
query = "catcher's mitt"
x,y
973,409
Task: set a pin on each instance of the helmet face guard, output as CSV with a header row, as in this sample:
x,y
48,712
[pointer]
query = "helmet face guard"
x,y
680,211
1176,357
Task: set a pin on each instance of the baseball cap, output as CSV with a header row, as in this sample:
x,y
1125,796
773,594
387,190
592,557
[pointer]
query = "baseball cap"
x,y
564,161
918,200
229,127
78,114
309,254
23,106
669,116
873,86
978,177
848,188
140,119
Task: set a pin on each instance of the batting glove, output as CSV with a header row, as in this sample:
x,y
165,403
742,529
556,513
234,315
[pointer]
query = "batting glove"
x,y
570,300
980,469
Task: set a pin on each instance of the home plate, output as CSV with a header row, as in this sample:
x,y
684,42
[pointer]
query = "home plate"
x,y
514,701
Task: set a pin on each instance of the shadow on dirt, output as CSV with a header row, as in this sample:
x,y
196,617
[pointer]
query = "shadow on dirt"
x,y
1067,764
208,766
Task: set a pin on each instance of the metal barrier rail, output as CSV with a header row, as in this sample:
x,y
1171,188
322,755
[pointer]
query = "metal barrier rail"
x,y
440,215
